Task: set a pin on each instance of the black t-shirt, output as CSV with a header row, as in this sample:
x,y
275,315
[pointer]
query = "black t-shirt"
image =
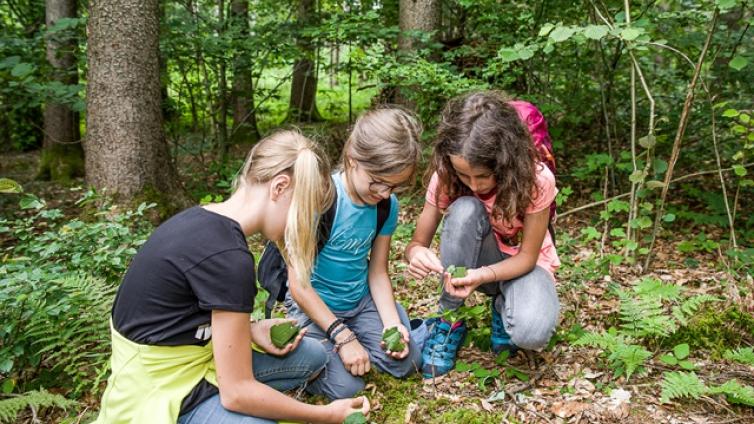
x,y
195,262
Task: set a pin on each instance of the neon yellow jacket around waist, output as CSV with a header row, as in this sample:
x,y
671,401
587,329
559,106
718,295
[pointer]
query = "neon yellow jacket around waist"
x,y
148,383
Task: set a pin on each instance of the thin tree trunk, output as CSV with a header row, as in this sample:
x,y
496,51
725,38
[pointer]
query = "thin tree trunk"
x,y
126,151
62,154
244,115
303,102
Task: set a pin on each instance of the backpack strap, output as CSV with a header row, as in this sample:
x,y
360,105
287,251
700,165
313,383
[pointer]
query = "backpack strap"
x,y
383,212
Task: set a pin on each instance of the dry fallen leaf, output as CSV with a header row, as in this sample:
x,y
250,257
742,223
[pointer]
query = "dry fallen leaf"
x,y
568,409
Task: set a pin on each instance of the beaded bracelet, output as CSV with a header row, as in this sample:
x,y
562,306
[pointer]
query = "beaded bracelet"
x,y
332,327
348,339
339,329
493,272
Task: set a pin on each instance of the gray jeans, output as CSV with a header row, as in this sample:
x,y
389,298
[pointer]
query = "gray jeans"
x,y
336,382
528,304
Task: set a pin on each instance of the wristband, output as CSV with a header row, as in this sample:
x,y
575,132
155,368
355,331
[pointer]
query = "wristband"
x,y
349,339
332,327
338,330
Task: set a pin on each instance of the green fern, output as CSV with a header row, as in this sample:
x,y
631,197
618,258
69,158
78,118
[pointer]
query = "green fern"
x,y
629,359
605,340
644,316
9,408
742,355
73,335
681,384
653,288
735,392
690,306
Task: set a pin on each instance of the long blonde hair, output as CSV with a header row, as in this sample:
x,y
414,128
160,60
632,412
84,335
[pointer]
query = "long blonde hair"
x,y
385,141
288,152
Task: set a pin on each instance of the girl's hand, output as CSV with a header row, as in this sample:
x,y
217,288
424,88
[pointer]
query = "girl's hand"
x,y
423,261
463,287
342,408
260,335
404,338
355,358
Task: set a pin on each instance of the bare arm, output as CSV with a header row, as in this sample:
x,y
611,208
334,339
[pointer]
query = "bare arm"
x,y
421,259
382,291
240,392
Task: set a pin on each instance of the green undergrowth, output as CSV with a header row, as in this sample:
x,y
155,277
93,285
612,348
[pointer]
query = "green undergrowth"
x,y
716,331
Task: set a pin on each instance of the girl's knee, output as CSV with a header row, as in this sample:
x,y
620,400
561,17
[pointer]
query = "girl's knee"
x,y
464,210
315,354
345,386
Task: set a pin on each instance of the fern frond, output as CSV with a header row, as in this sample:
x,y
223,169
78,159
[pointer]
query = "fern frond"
x,y
681,384
9,408
603,340
654,288
629,357
743,355
644,316
690,306
735,393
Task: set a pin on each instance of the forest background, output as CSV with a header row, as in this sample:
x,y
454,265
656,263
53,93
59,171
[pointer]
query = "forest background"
x,y
116,114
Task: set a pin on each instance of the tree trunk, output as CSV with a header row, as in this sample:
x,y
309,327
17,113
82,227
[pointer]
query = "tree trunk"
x,y
303,104
417,15
62,154
126,151
244,116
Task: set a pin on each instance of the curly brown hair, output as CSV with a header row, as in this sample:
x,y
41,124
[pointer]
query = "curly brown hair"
x,y
486,131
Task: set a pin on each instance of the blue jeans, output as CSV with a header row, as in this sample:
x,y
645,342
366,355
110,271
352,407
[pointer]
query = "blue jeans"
x,y
281,373
528,304
336,382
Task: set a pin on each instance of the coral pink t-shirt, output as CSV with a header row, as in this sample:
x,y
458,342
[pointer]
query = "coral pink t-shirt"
x,y
506,232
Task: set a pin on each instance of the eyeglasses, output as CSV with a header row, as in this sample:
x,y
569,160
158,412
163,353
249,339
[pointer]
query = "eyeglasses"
x,y
380,187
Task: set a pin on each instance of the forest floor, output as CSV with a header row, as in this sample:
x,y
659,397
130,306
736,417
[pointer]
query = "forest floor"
x,y
564,383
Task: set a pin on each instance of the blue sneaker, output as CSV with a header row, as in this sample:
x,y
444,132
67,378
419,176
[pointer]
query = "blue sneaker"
x,y
501,340
439,352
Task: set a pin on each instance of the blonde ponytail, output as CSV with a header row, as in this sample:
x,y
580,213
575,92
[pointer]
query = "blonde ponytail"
x,y
290,153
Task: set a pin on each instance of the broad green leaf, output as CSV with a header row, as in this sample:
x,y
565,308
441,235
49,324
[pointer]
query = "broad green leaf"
x,y
22,69
630,34
681,351
356,418
660,166
739,170
725,4
502,357
507,54
595,32
462,366
525,53
687,365
654,184
669,359
738,63
546,28
9,186
648,141
730,113
637,176
31,202
744,118
561,33
668,217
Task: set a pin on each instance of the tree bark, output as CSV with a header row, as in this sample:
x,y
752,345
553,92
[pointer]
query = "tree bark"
x,y
62,154
126,151
244,115
303,103
417,15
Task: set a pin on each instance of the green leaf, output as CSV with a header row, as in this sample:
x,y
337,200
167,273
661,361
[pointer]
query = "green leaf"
x,y
281,334
31,202
9,186
8,385
526,53
681,351
595,32
561,33
502,357
730,113
669,359
6,365
653,184
738,63
687,365
462,366
356,418
648,141
637,176
725,4
507,54
546,28
744,118
632,33
739,170
393,340
668,217
22,69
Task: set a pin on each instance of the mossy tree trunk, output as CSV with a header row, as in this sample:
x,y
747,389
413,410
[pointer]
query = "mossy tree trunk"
x,y
126,151
62,154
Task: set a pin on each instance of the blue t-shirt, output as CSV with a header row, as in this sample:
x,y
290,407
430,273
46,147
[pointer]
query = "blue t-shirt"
x,y
340,272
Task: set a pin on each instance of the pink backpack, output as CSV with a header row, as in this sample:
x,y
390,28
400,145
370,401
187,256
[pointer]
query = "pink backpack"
x,y
535,122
